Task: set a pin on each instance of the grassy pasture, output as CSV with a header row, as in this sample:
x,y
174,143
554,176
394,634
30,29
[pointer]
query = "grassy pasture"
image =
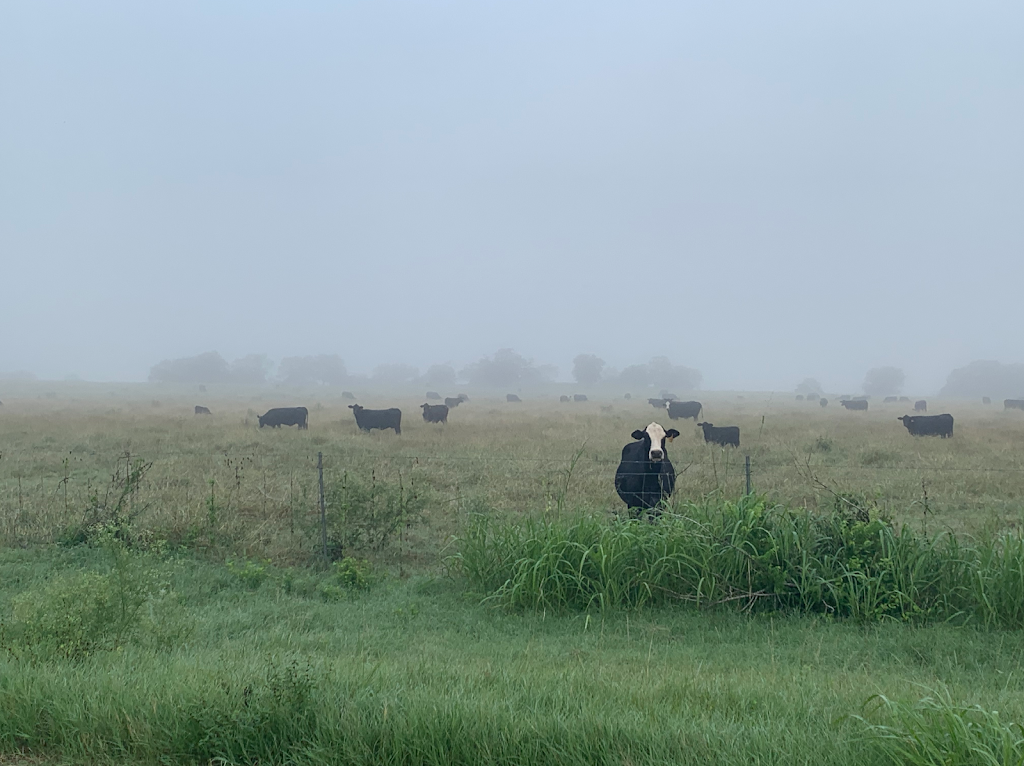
x,y
247,661
538,456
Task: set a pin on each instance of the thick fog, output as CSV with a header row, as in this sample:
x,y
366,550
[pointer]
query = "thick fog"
x,y
760,191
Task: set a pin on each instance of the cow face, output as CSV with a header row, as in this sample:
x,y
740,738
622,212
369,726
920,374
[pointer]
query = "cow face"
x,y
654,437
260,418
355,407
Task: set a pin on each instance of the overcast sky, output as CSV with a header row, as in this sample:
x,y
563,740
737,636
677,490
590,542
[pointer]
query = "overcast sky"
x,y
763,191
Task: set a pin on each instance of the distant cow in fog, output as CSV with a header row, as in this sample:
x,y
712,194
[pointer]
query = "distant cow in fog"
x,y
451,402
678,410
367,420
435,413
929,425
658,404
201,410
890,399
285,416
347,395
723,435
512,398
823,402
904,398
920,406
579,397
854,404
666,395
563,398
433,395
1013,404
799,397
628,396
986,400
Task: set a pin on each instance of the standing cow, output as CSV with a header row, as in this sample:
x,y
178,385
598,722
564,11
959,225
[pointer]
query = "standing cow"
x,y
854,404
645,475
920,406
1013,404
367,420
512,398
684,410
724,436
435,413
929,425
201,410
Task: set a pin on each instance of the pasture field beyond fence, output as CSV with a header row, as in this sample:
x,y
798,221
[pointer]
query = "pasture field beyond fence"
x,y
65,450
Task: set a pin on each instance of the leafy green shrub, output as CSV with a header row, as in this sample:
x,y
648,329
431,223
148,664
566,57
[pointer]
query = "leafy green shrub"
x,y
250,574
364,516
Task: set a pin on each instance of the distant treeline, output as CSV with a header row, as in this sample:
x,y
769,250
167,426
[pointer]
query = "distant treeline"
x,y
504,369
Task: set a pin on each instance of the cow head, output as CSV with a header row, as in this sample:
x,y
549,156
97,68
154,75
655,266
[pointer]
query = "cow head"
x,y
355,407
260,418
654,437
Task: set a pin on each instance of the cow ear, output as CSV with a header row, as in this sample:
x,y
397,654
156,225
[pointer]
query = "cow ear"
x,y
638,434
671,434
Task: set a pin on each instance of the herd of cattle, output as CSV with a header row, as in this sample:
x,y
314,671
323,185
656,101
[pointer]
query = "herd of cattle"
x,y
645,476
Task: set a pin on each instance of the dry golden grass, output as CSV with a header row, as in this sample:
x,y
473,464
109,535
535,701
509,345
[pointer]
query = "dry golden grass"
x,y
539,456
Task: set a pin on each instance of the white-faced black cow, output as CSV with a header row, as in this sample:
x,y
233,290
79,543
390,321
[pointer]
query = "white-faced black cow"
x,y
285,416
435,413
723,435
201,410
645,475
929,425
684,410
367,420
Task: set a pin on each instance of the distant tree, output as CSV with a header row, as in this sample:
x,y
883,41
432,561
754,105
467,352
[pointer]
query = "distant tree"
x,y
586,369
808,386
320,370
507,369
210,367
251,370
636,376
660,372
395,374
981,378
884,381
439,376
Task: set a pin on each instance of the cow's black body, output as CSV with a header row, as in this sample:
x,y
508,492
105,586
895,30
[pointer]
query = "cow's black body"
x,y
854,404
579,397
201,410
433,396
929,425
643,483
435,413
512,398
920,406
285,416
367,420
678,410
724,435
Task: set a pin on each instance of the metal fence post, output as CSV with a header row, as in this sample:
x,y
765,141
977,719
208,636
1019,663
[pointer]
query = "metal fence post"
x,y
748,473
323,504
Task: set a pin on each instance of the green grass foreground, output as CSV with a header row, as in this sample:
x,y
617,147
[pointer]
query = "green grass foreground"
x,y
249,664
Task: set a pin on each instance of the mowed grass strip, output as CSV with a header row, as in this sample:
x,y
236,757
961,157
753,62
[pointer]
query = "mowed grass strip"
x,y
413,672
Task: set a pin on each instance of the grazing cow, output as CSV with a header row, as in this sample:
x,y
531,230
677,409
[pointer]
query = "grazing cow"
x,y
367,420
285,416
799,397
201,410
434,413
347,395
451,402
563,398
628,396
890,399
986,400
433,395
904,398
823,402
463,397
929,425
724,435
854,404
684,410
920,406
579,397
512,398
645,475
1013,404
658,404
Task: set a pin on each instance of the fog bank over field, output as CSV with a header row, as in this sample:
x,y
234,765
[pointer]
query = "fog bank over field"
x,y
762,194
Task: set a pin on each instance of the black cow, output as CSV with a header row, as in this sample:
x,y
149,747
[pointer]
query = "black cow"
x,y
579,397
628,396
986,400
678,410
658,404
563,398
347,395
799,397
891,399
201,410
645,475
904,398
666,395
512,398
463,397
920,406
1013,404
929,425
854,404
367,420
434,413
823,402
433,395
451,402
724,435
285,416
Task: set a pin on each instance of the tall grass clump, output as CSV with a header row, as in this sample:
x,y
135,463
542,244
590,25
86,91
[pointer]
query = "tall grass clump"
x,y
751,555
